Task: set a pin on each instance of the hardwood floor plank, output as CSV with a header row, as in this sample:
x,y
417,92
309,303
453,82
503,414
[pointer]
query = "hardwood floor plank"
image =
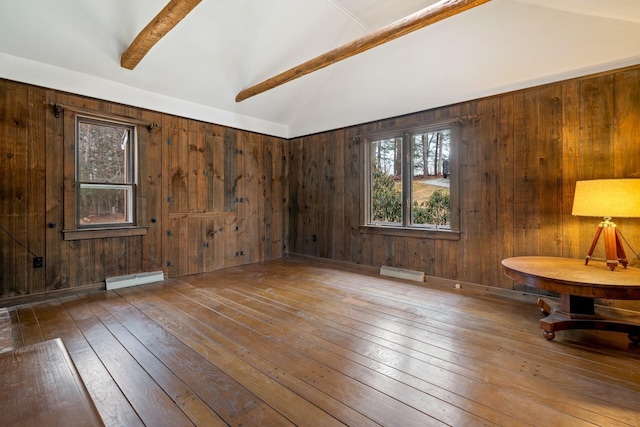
x,y
288,342
583,410
483,315
29,327
279,398
452,328
338,410
16,334
419,373
190,361
439,304
375,357
312,345
332,406
112,405
520,333
378,400
181,394
537,350
42,387
149,401
488,361
226,330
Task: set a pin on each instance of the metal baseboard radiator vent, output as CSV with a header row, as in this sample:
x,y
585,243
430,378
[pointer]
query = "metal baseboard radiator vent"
x,y
133,279
400,273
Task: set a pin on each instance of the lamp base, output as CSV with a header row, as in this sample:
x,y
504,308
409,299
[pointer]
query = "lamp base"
x,y
614,251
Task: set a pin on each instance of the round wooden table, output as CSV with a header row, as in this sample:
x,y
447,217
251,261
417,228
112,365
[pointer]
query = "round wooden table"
x,y
578,284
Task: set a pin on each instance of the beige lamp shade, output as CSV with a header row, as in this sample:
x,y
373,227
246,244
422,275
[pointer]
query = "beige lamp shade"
x,y
614,198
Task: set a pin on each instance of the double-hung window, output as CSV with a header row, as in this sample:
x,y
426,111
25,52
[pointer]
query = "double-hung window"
x,y
410,179
105,173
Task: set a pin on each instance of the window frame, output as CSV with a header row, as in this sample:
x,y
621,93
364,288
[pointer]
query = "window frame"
x,y
73,229
406,228
131,171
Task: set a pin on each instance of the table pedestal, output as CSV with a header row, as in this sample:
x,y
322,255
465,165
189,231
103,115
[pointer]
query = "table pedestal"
x,y
576,312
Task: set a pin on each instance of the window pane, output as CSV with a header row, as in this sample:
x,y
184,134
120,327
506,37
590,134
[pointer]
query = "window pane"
x,y
105,204
386,181
103,152
430,183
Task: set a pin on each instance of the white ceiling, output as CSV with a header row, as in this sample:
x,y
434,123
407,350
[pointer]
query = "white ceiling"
x,y
224,46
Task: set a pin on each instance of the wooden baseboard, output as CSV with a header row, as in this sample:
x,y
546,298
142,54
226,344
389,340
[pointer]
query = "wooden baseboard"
x,y
369,269
430,281
58,293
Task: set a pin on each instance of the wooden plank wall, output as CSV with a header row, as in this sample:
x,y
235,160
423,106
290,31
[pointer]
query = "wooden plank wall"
x,y
214,197
211,196
520,155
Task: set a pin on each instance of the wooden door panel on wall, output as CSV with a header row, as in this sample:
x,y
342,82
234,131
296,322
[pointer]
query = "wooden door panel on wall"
x,y
177,239
201,243
230,201
204,162
196,165
214,245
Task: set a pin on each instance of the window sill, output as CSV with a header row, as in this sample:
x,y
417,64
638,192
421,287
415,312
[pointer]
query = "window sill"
x,y
100,233
422,233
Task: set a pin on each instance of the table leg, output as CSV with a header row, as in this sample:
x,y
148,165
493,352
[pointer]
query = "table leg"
x,y
577,307
573,312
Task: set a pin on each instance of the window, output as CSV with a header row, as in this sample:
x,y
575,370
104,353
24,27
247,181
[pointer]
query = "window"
x,y
409,179
105,173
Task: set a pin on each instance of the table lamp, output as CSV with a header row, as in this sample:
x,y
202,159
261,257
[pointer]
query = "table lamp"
x,y
608,198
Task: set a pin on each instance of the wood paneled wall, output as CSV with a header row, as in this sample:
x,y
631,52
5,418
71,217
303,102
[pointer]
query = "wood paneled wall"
x,y
214,197
519,157
211,197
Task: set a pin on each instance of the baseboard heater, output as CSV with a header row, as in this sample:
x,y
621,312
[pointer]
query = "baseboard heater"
x,y
133,279
401,273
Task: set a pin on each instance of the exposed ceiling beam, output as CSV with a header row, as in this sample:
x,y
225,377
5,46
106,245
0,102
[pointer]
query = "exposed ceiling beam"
x,y
159,26
427,16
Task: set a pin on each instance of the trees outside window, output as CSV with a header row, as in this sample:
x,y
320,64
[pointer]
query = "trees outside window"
x,y
105,173
411,190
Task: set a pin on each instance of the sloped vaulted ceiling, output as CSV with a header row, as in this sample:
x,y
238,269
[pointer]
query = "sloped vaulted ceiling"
x,y
224,46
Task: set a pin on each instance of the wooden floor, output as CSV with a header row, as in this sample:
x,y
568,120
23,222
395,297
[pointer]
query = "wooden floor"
x,y
297,343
